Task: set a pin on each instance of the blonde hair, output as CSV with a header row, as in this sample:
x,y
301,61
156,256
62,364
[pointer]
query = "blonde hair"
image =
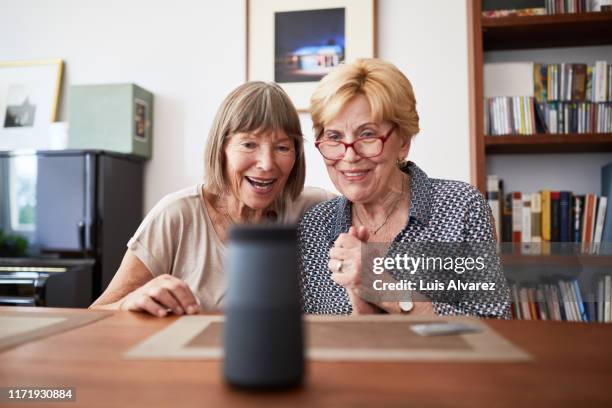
x,y
254,107
387,90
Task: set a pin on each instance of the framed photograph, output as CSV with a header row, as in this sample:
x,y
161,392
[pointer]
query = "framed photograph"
x,y
140,119
29,97
297,42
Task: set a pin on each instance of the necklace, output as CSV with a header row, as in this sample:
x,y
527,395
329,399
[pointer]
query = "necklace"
x,y
375,230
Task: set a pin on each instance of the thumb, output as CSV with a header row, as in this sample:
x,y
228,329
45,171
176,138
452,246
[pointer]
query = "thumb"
x,y
363,234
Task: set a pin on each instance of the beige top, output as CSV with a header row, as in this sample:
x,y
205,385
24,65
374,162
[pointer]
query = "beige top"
x,y
177,237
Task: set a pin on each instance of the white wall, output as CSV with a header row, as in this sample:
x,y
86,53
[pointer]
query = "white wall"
x,y
191,53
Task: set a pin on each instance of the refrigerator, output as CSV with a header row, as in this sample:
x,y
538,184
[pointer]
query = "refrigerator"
x,y
76,209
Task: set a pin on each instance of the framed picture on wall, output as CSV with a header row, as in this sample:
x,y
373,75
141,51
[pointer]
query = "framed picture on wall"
x,y
297,42
29,98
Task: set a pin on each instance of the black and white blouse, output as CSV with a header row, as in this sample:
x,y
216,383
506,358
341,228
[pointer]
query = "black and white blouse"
x,y
441,211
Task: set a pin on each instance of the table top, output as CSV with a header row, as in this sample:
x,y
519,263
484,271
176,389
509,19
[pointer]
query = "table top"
x,y
572,366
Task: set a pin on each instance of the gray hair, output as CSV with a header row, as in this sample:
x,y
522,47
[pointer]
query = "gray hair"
x,y
254,107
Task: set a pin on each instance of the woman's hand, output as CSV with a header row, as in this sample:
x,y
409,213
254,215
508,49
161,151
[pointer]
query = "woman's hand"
x,y
345,264
345,258
160,295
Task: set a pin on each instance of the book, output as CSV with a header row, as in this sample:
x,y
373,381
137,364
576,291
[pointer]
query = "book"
x,y
516,305
573,303
588,93
578,206
599,222
579,302
524,301
543,312
562,300
511,115
600,79
533,305
555,217
517,216
564,213
526,219
578,88
540,77
587,221
536,218
554,301
545,194
567,307
606,189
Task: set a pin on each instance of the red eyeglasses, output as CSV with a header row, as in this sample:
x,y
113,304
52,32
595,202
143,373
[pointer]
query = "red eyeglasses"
x,y
365,147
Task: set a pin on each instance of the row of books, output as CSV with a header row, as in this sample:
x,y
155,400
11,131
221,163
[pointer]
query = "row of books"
x,y
547,216
504,8
573,82
562,301
576,6
572,117
510,115
521,115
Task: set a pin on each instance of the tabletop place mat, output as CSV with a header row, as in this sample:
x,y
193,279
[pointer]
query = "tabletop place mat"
x,y
17,328
340,338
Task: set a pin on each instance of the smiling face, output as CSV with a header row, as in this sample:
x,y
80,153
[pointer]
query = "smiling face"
x,y
363,180
258,165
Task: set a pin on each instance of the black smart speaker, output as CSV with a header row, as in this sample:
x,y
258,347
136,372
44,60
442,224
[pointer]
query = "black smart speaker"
x,y
263,330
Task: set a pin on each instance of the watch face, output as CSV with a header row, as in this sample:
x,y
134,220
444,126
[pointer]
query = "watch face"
x,y
406,306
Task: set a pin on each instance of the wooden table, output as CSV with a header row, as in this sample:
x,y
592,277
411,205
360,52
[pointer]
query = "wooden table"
x,y
572,367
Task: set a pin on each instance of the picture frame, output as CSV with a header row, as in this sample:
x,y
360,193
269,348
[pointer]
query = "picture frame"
x,y
296,42
29,100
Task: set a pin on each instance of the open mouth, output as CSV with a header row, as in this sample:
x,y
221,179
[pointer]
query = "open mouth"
x,y
263,185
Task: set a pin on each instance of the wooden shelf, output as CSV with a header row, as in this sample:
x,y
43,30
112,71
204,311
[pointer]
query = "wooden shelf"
x,y
549,143
557,30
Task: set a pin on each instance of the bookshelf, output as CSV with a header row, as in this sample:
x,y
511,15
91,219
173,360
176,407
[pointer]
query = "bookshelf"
x,y
535,38
558,30
514,33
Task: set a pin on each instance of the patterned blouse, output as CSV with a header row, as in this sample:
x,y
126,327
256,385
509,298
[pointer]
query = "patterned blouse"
x,y
441,211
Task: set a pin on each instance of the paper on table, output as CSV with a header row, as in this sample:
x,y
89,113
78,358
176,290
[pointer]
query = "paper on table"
x,y
340,338
17,328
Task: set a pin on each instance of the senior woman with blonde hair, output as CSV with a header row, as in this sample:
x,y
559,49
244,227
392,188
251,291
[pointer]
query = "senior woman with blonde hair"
x,y
254,172
364,117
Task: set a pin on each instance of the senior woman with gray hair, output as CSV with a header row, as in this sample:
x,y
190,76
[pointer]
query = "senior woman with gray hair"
x,y
254,172
364,117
